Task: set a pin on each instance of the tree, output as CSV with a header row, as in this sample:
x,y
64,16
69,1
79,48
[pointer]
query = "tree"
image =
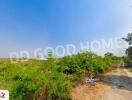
x,y
128,38
129,51
50,54
128,58
108,54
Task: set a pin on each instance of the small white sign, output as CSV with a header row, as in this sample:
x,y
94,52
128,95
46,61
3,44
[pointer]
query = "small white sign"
x,y
4,95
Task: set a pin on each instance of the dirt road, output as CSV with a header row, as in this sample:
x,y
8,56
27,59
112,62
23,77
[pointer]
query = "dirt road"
x,y
115,85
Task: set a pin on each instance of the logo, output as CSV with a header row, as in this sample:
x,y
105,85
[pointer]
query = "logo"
x,y
4,95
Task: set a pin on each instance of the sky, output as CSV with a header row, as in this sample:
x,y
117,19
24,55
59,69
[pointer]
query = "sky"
x,y
31,24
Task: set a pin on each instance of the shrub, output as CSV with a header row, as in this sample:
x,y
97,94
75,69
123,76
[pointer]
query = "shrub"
x,y
51,79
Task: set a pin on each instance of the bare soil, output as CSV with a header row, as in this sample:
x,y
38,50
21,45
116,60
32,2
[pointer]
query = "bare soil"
x,y
115,85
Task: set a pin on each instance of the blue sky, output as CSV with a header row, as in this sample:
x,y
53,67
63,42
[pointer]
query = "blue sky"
x,y
31,24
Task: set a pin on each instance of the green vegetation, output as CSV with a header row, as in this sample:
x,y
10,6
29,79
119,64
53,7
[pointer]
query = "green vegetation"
x,y
128,57
51,79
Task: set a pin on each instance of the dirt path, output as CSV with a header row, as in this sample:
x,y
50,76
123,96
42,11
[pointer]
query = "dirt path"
x,y
115,85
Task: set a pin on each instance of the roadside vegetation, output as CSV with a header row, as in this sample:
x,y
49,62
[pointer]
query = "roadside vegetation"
x,y
51,79
128,57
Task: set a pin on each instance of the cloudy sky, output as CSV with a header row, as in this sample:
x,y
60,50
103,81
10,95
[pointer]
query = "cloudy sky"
x,y
31,24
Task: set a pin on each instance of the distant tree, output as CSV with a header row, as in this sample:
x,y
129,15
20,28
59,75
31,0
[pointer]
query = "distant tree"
x,y
38,57
50,55
108,54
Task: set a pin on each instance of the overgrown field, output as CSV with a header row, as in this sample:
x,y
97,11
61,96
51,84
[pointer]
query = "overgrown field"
x,y
51,79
